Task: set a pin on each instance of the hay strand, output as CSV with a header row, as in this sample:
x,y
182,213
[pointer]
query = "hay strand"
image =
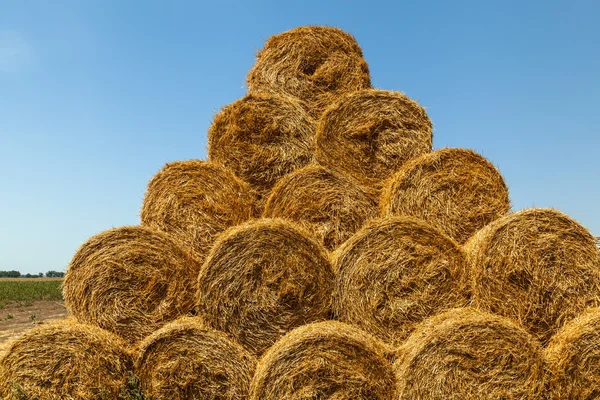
x,y
573,357
194,201
187,360
326,360
130,281
394,273
369,134
325,203
263,279
66,360
261,138
465,354
456,190
316,64
536,266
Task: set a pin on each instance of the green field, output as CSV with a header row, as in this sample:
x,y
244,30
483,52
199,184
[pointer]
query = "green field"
x,y
28,290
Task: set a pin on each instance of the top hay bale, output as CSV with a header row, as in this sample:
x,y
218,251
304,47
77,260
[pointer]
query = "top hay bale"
x,y
66,360
327,204
573,357
325,360
369,134
130,281
465,354
456,190
262,138
194,201
536,266
315,64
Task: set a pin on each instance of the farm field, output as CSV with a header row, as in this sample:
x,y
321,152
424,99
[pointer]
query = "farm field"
x,y
25,303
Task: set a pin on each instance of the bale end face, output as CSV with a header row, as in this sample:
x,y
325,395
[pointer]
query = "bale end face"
x,y
467,354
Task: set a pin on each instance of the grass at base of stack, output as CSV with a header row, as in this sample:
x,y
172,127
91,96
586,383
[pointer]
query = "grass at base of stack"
x,y
29,290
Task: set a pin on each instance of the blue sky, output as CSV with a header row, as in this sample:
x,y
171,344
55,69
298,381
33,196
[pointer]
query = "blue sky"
x,y
96,96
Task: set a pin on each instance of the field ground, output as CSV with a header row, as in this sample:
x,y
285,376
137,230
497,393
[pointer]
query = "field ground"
x,y
25,303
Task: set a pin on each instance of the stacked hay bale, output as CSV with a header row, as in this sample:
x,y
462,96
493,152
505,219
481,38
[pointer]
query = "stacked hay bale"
x,y
323,200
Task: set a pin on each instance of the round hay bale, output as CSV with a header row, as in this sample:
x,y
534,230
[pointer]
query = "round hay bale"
x,y
194,201
130,281
316,64
325,360
66,360
327,204
187,360
396,272
263,279
466,354
573,357
456,190
261,138
369,134
536,266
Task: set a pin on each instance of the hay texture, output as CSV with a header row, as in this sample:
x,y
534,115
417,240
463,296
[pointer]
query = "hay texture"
x,y
369,134
327,204
456,190
130,281
536,266
263,279
66,360
396,272
466,354
261,138
186,360
573,357
316,64
326,360
194,201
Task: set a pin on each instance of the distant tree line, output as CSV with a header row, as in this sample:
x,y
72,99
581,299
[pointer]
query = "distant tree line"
x,y
17,274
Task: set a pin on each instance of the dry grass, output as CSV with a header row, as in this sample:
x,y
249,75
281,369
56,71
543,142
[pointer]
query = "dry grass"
x,y
326,360
456,190
396,272
573,356
263,279
66,360
194,201
536,266
187,360
465,354
130,281
369,134
261,138
325,203
316,64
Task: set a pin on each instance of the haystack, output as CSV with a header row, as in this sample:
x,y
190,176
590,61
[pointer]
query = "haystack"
x,y
316,64
261,138
194,201
66,360
464,354
327,204
369,134
573,357
263,279
456,190
536,266
130,281
326,360
396,272
186,360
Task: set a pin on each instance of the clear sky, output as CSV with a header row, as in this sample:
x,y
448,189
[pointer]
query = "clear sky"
x,y
96,96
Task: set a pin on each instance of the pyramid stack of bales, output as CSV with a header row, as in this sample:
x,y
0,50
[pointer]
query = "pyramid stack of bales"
x,y
323,251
